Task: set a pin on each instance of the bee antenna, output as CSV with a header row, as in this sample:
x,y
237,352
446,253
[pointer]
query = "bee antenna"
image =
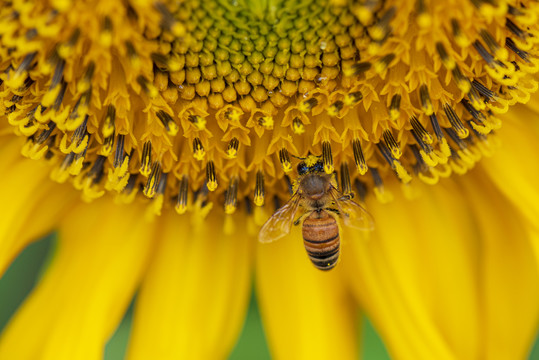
x,y
297,157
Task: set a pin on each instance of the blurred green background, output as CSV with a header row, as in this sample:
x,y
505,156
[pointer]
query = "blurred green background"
x,y
25,271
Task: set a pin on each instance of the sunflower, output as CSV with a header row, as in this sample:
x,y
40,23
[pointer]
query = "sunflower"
x,y
160,135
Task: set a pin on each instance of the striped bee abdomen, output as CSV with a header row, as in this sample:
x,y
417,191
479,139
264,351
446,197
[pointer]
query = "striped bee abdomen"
x,y
321,240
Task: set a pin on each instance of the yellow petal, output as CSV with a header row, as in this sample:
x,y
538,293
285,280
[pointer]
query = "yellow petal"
x,y
195,295
443,279
307,313
415,277
31,204
103,250
509,281
514,168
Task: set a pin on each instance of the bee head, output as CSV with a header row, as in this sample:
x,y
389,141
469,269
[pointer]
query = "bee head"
x,y
310,164
302,168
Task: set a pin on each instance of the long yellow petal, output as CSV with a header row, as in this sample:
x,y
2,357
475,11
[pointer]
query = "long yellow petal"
x,y
31,204
307,313
509,286
195,295
416,278
514,168
102,253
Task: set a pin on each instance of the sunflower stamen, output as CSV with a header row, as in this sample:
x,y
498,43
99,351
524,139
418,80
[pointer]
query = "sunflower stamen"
x,y
198,122
498,51
351,99
395,164
380,191
66,49
463,83
211,178
198,149
426,103
297,126
17,79
159,197
153,180
522,35
146,159
169,124
381,65
147,87
456,124
181,204
394,107
483,90
307,105
232,148
231,196
422,169
284,159
420,130
346,184
327,157
359,159
381,28
259,189
509,43
392,144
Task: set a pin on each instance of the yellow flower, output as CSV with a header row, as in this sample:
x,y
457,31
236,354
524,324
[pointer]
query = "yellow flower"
x,y
180,123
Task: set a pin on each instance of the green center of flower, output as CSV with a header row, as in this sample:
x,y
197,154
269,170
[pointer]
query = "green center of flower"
x,y
211,101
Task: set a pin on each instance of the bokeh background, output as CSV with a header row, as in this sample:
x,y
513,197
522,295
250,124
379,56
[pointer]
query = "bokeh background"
x,y
26,270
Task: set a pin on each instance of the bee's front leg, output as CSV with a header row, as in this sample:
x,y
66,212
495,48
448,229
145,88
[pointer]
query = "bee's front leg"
x,y
336,211
299,219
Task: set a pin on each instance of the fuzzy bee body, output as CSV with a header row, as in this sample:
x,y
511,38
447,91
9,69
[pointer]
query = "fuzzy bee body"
x,y
315,194
321,239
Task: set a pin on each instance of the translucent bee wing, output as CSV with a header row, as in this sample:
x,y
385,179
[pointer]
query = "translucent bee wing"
x,y
280,223
353,214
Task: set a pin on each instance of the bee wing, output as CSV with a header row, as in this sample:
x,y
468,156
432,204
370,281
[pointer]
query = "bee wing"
x,y
353,214
280,223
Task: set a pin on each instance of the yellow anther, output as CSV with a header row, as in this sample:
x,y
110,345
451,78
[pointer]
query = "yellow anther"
x,y
353,98
266,122
50,96
327,158
335,108
198,149
481,129
259,189
233,115
76,166
401,172
231,196
392,144
181,204
153,180
284,158
359,159
198,121
424,20
232,148
297,126
383,195
211,179
429,177
307,105
428,159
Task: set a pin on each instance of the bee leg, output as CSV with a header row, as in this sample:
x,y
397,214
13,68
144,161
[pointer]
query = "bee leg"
x,y
336,211
299,219
345,197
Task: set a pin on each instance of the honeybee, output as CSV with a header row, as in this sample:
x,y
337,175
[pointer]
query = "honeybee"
x,y
316,194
